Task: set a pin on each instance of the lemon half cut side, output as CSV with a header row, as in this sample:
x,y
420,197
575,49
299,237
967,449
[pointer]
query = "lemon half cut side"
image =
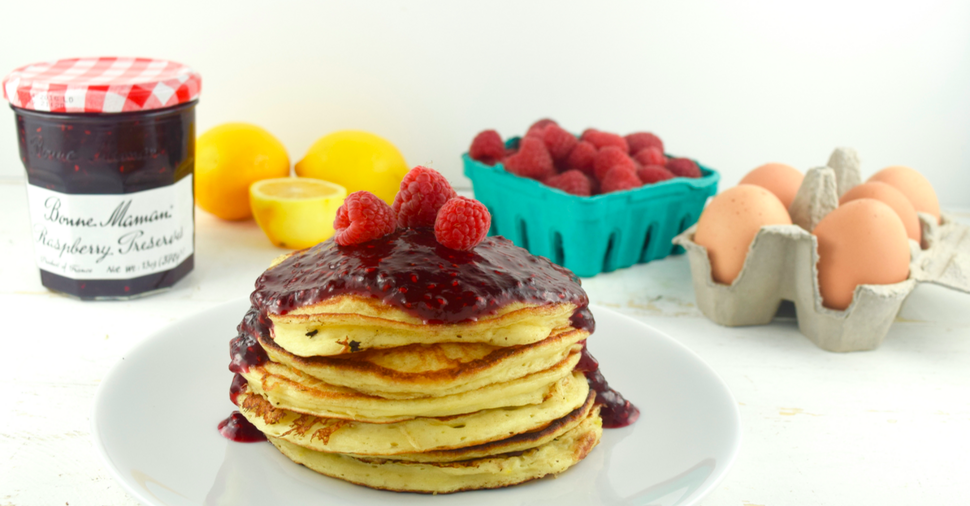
x,y
296,212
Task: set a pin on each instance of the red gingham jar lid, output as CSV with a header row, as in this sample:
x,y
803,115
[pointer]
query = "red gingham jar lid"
x,y
101,85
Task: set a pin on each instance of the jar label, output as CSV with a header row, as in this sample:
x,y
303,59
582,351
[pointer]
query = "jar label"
x,y
120,236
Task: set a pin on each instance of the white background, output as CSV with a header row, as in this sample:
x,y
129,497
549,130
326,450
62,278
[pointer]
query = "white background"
x,y
732,84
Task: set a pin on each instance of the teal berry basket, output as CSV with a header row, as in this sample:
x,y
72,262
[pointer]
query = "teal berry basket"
x,y
590,235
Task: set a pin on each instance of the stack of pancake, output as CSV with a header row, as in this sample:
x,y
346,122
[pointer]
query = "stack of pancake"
x,y
368,389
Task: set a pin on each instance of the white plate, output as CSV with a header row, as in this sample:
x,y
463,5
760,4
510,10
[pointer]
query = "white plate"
x,y
156,412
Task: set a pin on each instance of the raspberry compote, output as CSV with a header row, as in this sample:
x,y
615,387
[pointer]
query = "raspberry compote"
x,y
410,270
615,410
237,428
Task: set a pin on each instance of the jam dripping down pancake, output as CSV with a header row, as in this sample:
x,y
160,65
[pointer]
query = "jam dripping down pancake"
x,y
411,271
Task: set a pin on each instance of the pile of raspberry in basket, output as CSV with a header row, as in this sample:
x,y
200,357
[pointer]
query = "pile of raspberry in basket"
x,y
597,162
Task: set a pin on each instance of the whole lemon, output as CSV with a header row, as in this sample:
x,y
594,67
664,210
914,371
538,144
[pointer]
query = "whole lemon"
x,y
229,158
357,161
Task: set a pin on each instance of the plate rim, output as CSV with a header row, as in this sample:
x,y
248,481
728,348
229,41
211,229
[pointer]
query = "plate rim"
x,y
738,439
115,369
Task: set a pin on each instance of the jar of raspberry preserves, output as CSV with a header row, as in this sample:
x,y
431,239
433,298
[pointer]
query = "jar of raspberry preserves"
x,y
109,149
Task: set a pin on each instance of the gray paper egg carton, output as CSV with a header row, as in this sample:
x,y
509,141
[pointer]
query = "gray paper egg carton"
x,y
781,265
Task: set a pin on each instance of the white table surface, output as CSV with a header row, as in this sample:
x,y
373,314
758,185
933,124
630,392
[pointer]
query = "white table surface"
x,y
891,426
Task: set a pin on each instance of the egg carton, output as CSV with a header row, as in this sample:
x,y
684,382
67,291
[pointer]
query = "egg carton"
x,y
781,264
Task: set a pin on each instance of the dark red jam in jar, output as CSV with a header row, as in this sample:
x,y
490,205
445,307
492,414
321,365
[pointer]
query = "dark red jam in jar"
x,y
109,149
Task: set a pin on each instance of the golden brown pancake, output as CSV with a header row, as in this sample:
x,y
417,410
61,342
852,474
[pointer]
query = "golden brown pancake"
x,y
497,471
402,364
516,443
472,435
422,370
351,323
290,389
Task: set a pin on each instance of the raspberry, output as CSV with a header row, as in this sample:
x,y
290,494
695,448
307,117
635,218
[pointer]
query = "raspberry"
x,y
487,147
618,179
581,158
539,127
609,157
650,174
604,139
363,217
559,142
643,140
532,160
683,167
651,156
571,181
462,223
423,191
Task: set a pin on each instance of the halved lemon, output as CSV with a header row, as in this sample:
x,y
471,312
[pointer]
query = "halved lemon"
x,y
296,212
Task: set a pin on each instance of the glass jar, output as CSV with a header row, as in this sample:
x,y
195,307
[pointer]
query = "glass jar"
x,y
109,172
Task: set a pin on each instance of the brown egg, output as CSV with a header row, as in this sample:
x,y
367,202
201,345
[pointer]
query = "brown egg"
x,y
729,224
913,185
860,243
891,197
778,178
